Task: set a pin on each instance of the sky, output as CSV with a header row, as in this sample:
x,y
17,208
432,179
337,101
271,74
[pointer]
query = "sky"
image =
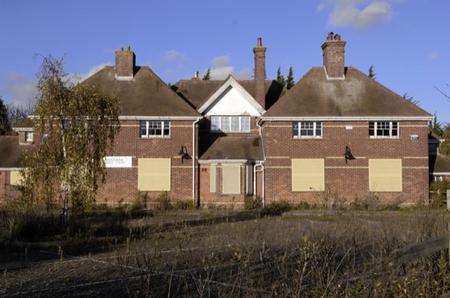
x,y
407,41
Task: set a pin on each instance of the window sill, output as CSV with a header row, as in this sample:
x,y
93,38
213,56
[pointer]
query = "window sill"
x,y
384,138
307,138
155,137
220,131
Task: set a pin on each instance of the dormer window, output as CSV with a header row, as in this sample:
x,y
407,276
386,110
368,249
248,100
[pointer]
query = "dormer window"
x,y
230,124
383,129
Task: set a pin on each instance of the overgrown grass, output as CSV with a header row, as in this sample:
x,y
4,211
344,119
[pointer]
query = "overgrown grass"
x,y
349,254
132,252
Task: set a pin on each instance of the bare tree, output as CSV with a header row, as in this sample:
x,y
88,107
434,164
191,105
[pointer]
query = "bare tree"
x,y
445,94
18,113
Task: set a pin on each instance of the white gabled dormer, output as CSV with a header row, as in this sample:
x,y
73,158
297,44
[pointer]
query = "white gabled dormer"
x,y
231,99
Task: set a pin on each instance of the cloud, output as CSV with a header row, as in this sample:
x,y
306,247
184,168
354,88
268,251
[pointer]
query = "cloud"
x,y
358,14
175,58
221,68
22,90
76,78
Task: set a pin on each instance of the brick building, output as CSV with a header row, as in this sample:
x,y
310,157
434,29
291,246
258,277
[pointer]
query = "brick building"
x,y
337,134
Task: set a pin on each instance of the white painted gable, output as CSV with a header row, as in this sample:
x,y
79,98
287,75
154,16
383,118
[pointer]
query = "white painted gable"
x,y
231,99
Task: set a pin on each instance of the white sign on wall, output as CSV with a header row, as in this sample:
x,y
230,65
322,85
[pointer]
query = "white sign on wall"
x,y
118,161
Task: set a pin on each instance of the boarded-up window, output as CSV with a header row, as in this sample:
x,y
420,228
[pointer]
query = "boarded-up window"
x,y
308,175
154,174
249,180
231,179
385,175
15,178
212,178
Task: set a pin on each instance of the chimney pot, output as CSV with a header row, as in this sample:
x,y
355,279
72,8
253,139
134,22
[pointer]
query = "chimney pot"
x,y
125,63
334,56
259,42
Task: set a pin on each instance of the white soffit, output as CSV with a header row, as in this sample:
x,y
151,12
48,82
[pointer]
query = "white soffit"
x,y
231,99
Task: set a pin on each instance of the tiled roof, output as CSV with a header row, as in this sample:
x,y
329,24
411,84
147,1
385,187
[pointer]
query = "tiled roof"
x,y
11,152
229,147
356,95
439,164
145,95
197,92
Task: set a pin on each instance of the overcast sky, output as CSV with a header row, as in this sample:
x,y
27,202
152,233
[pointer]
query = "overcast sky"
x,y
407,41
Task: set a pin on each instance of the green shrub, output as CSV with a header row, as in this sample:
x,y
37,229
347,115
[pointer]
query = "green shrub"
x,y
276,208
303,206
252,203
163,202
183,205
438,193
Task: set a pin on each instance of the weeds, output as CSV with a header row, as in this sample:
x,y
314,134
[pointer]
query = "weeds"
x,y
252,203
276,208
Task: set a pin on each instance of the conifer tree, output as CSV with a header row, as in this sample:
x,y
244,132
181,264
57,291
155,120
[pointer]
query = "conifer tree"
x,y
207,75
280,78
290,78
4,119
372,73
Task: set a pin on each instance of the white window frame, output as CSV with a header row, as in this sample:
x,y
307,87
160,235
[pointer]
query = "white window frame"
x,y
147,125
390,136
228,129
29,136
314,136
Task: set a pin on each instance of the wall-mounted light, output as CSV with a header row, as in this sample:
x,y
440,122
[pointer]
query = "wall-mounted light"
x,y
183,153
348,155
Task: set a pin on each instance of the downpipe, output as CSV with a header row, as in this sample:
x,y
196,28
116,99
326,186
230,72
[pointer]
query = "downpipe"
x,y
194,158
261,165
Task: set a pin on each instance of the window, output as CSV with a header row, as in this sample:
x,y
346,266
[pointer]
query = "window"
x,y
212,178
29,136
249,180
385,175
15,178
230,123
308,174
307,129
383,129
154,129
231,179
154,174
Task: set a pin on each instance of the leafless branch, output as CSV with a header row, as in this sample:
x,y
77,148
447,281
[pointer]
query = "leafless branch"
x,y
447,96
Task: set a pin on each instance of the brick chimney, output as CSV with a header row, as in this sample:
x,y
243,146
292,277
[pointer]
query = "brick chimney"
x,y
260,72
334,56
125,64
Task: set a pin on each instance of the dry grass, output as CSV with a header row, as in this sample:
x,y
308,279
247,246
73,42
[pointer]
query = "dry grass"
x,y
312,254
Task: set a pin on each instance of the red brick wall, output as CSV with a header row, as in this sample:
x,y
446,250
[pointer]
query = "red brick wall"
x,y
208,198
3,175
347,181
121,184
